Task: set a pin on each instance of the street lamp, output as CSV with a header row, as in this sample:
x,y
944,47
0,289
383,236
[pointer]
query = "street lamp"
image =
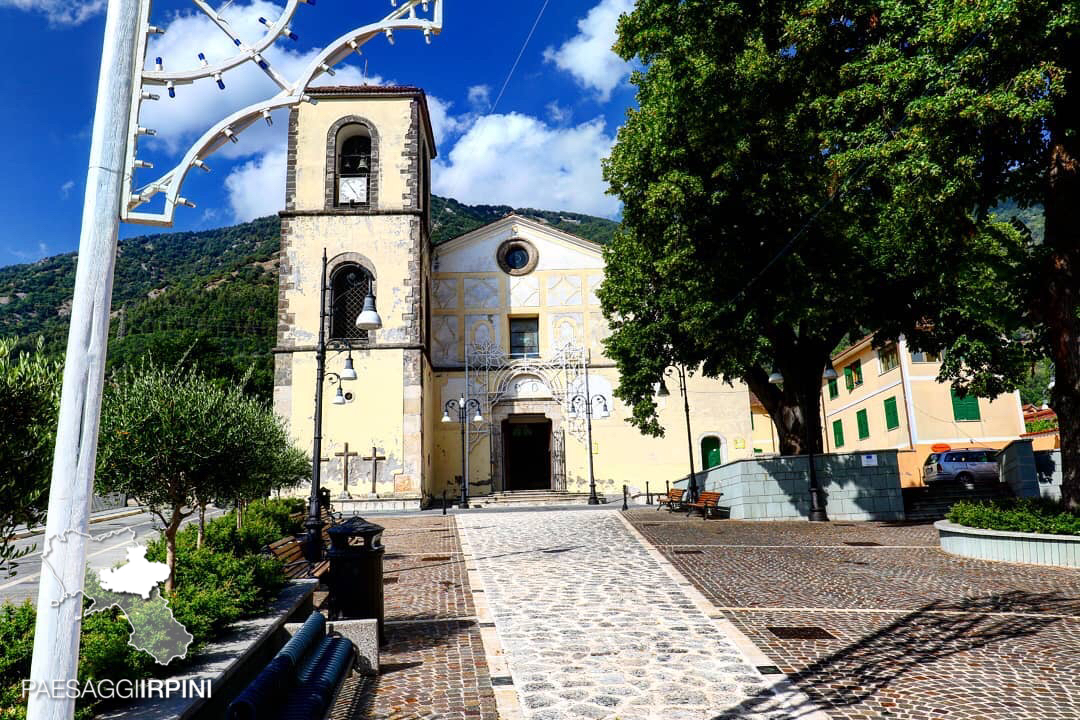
x,y
461,407
681,372
584,402
368,319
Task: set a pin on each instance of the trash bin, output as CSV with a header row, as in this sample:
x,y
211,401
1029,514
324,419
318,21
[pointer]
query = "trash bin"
x,y
355,577
324,498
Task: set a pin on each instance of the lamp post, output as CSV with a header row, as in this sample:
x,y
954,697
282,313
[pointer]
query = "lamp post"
x,y
583,402
368,319
681,372
461,407
817,494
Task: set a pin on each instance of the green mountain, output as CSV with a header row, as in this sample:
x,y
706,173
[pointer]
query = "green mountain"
x,y
209,296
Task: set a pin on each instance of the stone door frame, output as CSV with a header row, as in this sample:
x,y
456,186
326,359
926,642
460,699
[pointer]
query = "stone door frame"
x,y
548,408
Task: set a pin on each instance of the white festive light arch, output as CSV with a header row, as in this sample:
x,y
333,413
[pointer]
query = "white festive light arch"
x,y
423,15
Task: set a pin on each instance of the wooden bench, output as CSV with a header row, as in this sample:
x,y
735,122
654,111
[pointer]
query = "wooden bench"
x,y
290,551
673,498
707,502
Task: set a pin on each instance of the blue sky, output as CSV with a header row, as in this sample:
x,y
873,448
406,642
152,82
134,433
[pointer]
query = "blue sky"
x,y
539,147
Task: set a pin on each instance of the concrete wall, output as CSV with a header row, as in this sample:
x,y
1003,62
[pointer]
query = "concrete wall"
x,y
778,488
1030,473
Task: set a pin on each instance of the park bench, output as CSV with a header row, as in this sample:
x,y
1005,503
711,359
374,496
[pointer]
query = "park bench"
x,y
301,681
290,551
707,502
672,499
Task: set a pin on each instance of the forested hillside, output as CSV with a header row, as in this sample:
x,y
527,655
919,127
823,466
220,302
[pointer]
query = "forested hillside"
x,y
208,296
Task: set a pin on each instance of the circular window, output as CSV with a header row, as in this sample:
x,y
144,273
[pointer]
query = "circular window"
x,y
517,257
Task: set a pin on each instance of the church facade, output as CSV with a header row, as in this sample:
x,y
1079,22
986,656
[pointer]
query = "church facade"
x,y
504,317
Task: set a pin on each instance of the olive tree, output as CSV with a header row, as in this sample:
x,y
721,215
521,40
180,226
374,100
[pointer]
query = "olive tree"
x,y
175,440
29,394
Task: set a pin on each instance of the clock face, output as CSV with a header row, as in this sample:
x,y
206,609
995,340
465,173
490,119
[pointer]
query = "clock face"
x,y
352,190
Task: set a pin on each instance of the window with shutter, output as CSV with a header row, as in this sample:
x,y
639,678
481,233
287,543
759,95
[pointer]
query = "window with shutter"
x,y
892,417
965,409
838,433
864,424
849,378
834,389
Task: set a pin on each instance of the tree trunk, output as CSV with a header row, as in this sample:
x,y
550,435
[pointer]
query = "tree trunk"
x,y
795,406
170,548
1056,293
202,526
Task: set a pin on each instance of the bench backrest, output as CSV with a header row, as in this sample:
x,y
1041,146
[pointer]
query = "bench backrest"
x,y
675,494
709,498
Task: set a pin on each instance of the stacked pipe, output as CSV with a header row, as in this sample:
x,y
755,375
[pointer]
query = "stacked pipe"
x,y
300,680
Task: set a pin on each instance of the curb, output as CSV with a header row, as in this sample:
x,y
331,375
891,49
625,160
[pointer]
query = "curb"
x,y
40,530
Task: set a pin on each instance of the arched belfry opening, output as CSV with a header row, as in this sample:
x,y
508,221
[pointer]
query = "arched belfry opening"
x,y
349,285
352,164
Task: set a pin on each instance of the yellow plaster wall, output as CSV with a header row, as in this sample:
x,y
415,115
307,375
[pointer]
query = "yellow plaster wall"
x,y
391,117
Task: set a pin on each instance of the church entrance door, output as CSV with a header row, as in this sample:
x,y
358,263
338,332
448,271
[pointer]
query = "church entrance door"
x,y
527,453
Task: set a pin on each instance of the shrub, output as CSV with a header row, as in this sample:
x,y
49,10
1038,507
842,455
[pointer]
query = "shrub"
x,y
1017,515
16,649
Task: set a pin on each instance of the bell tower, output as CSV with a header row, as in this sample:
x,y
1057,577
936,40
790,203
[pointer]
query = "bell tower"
x,y
357,185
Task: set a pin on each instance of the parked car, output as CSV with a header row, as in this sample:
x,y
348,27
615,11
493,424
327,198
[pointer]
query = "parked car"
x,y
963,465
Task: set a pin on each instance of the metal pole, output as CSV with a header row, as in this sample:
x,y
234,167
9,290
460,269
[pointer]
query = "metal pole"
x,y
692,485
593,500
464,477
59,616
817,499
313,524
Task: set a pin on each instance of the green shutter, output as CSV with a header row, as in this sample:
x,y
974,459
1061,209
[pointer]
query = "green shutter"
x,y
965,409
857,368
838,433
864,424
892,417
849,378
834,390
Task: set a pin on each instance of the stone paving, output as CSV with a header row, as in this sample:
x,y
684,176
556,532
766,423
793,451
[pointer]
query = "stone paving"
x,y
915,633
433,663
594,627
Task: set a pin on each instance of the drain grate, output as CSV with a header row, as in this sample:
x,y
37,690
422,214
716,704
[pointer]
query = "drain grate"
x,y
504,680
389,581
556,551
801,632
769,670
863,543
435,558
688,552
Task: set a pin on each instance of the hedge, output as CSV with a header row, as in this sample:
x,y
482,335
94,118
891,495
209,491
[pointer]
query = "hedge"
x,y
1017,515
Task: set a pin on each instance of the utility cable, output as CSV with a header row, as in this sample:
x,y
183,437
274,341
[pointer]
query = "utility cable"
x,y
520,53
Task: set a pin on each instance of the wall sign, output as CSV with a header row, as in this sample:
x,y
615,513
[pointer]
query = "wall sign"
x,y
869,460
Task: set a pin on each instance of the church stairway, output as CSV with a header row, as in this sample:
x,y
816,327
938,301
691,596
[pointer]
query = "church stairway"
x,y
532,497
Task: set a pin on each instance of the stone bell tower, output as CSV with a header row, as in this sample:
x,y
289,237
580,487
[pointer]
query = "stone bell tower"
x,y
357,185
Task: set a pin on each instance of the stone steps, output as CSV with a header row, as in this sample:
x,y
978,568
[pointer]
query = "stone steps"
x,y
931,503
531,497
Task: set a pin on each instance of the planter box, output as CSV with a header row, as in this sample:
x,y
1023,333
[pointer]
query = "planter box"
x,y
1032,548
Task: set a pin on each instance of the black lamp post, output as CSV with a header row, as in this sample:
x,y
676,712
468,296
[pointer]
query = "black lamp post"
x,y
584,403
680,371
461,407
817,494
368,319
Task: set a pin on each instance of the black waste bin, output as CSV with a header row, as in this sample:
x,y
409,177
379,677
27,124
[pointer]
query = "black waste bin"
x,y
355,577
324,498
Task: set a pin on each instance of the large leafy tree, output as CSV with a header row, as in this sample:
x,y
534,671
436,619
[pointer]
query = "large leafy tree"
x,y
175,440
29,396
735,252
961,107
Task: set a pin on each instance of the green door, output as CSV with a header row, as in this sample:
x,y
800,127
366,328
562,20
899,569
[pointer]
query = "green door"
x,y
710,452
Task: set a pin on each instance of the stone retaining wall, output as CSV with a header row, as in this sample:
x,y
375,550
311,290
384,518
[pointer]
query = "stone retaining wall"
x,y
1031,474
858,486
1033,548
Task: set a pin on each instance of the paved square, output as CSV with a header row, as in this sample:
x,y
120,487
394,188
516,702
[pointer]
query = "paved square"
x,y
918,634
594,627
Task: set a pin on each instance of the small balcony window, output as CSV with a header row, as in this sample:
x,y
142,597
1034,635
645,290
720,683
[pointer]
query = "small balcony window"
x,y
524,337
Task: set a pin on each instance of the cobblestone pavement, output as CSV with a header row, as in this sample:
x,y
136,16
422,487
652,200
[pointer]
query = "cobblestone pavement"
x,y
433,664
915,633
594,627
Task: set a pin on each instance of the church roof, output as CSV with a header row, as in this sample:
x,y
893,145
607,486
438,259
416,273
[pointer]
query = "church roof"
x,y
360,91
513,218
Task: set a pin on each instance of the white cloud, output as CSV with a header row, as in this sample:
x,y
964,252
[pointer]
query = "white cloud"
x,y
588,55
257,188
66,188
480,97
559,114
521,161
59,12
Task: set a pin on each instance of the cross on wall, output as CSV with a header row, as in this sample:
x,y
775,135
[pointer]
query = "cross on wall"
x,y
345,454
375,457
